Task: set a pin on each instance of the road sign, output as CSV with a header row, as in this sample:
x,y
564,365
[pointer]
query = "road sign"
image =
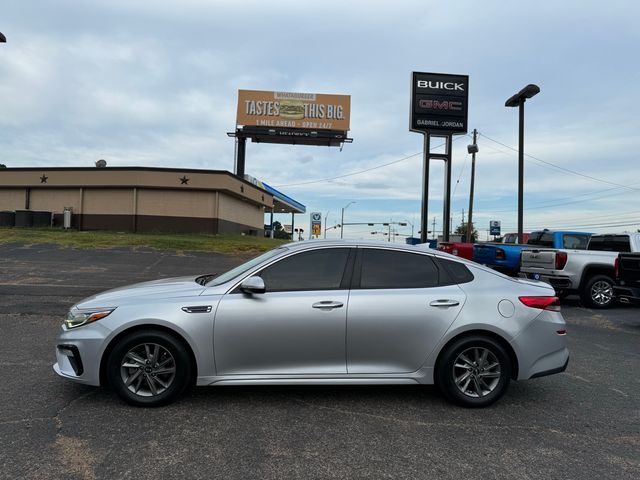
x,y
494,227
316,223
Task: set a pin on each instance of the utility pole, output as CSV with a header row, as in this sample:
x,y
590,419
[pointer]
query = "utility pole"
x,y
325,224
472,149
433,229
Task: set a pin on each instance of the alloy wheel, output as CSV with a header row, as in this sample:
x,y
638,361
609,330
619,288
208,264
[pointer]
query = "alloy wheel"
x,y
476,372
148,369
602,292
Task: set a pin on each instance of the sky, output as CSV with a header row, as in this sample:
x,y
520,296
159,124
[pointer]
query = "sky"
x,y
143,83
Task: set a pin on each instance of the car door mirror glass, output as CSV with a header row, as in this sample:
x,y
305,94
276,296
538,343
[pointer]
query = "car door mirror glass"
x,y
253,285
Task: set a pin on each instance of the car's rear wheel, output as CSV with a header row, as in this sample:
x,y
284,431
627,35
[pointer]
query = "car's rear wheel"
x,y
598,292
149,368
473,371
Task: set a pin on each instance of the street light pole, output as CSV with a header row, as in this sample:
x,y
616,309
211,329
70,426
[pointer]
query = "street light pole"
x,y
342,218
472,149
518,100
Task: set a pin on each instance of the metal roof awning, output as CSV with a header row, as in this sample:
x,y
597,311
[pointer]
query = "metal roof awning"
x,y
283,203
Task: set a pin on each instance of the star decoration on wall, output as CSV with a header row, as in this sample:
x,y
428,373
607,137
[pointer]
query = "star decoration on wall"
x,y
184,180
43,178
242,188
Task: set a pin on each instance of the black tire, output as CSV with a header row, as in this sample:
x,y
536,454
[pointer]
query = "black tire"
x,y
171,354
446,372
597,292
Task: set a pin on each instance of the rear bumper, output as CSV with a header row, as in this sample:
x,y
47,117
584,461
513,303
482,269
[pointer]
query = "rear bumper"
x,y
540,348
552,371
559,282
627,294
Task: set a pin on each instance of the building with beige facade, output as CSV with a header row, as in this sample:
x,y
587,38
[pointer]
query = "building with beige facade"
x,y
142,199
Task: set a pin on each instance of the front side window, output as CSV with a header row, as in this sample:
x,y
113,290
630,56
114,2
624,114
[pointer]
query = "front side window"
x,y
321,269
390,269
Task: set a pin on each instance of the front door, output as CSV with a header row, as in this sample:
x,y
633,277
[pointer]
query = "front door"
x,y
297,327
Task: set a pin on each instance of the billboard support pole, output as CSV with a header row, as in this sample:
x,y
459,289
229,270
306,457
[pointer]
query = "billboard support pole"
x,y
242,148
446,211
424,217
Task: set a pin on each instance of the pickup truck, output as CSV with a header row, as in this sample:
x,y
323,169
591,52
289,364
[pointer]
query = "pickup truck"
x,y
465,250
506,258
627,272
589,273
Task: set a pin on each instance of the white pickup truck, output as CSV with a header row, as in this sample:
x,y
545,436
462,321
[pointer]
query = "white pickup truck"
x,y
589,273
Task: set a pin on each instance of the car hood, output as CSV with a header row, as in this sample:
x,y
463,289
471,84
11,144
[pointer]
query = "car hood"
x,y
173,287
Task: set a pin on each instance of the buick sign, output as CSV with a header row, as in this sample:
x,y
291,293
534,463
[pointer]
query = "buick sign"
x,y
439,102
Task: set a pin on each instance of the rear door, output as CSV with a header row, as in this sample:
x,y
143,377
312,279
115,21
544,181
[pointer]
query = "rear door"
x,y
398,311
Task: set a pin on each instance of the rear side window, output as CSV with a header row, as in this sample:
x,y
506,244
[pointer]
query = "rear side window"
x,y
575,242
456,271
610,243
390,269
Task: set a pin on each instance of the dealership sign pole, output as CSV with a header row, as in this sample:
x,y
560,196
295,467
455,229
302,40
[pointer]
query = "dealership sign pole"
x,y
439,104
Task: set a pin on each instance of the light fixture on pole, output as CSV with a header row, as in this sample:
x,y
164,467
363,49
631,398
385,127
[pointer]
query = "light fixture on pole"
x,y
342,218
3,39
518,100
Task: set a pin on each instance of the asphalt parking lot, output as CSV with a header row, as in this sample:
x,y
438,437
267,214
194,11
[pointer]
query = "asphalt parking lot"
x,y
584,423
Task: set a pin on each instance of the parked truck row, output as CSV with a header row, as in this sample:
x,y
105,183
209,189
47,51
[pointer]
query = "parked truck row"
x,y
600,268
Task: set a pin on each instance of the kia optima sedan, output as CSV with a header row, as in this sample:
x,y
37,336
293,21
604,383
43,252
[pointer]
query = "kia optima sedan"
x,y
320,312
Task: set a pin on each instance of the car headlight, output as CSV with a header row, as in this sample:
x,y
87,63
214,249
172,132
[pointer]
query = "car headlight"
x,y
77,318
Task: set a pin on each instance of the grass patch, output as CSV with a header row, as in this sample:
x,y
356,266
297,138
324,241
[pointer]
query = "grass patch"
x,y
159,241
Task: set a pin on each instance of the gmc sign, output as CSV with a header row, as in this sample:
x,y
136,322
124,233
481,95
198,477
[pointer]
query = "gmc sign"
x,y
439,102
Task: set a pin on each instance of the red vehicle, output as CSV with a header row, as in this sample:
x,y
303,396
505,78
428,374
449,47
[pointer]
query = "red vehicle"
x,y
465,250
459,249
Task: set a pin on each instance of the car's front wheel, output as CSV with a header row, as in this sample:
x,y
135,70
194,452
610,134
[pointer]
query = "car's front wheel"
x,y
473,371
149,368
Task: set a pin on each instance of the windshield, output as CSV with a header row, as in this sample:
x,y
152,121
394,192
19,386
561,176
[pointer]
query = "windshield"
x,y
245,267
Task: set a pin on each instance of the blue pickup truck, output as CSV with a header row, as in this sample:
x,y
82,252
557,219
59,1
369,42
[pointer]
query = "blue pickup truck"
x,y
506,257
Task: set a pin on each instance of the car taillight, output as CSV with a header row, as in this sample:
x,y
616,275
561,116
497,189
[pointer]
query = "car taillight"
x,y
561,260
500,254
454,252
543,303
616,267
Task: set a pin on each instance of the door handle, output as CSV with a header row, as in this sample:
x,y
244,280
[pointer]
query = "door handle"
x,y
328,304
444,303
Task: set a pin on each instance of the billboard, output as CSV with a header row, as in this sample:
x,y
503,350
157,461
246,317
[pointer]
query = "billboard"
x,y
289,110
439,102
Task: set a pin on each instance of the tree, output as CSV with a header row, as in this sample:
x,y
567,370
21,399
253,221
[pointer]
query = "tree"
x,y
462,230
278,231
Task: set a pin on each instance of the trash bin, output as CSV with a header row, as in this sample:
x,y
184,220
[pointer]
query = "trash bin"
x,y
24,218
7,219
42,219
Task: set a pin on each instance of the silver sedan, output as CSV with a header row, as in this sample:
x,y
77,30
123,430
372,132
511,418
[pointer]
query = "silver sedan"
x,y
320,312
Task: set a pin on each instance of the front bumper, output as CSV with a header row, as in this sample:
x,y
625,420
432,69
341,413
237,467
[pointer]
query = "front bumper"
x,y
78,353
542,347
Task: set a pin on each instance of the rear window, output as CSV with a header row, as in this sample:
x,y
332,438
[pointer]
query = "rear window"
x,y
610,243
575,242
543,239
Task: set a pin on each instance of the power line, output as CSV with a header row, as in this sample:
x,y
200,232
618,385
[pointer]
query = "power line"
x,y
309,182
567,170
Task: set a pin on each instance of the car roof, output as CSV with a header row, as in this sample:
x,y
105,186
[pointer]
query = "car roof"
x,y
423,247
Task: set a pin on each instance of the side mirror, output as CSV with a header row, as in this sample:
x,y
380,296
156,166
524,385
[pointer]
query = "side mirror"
x,y
253,285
